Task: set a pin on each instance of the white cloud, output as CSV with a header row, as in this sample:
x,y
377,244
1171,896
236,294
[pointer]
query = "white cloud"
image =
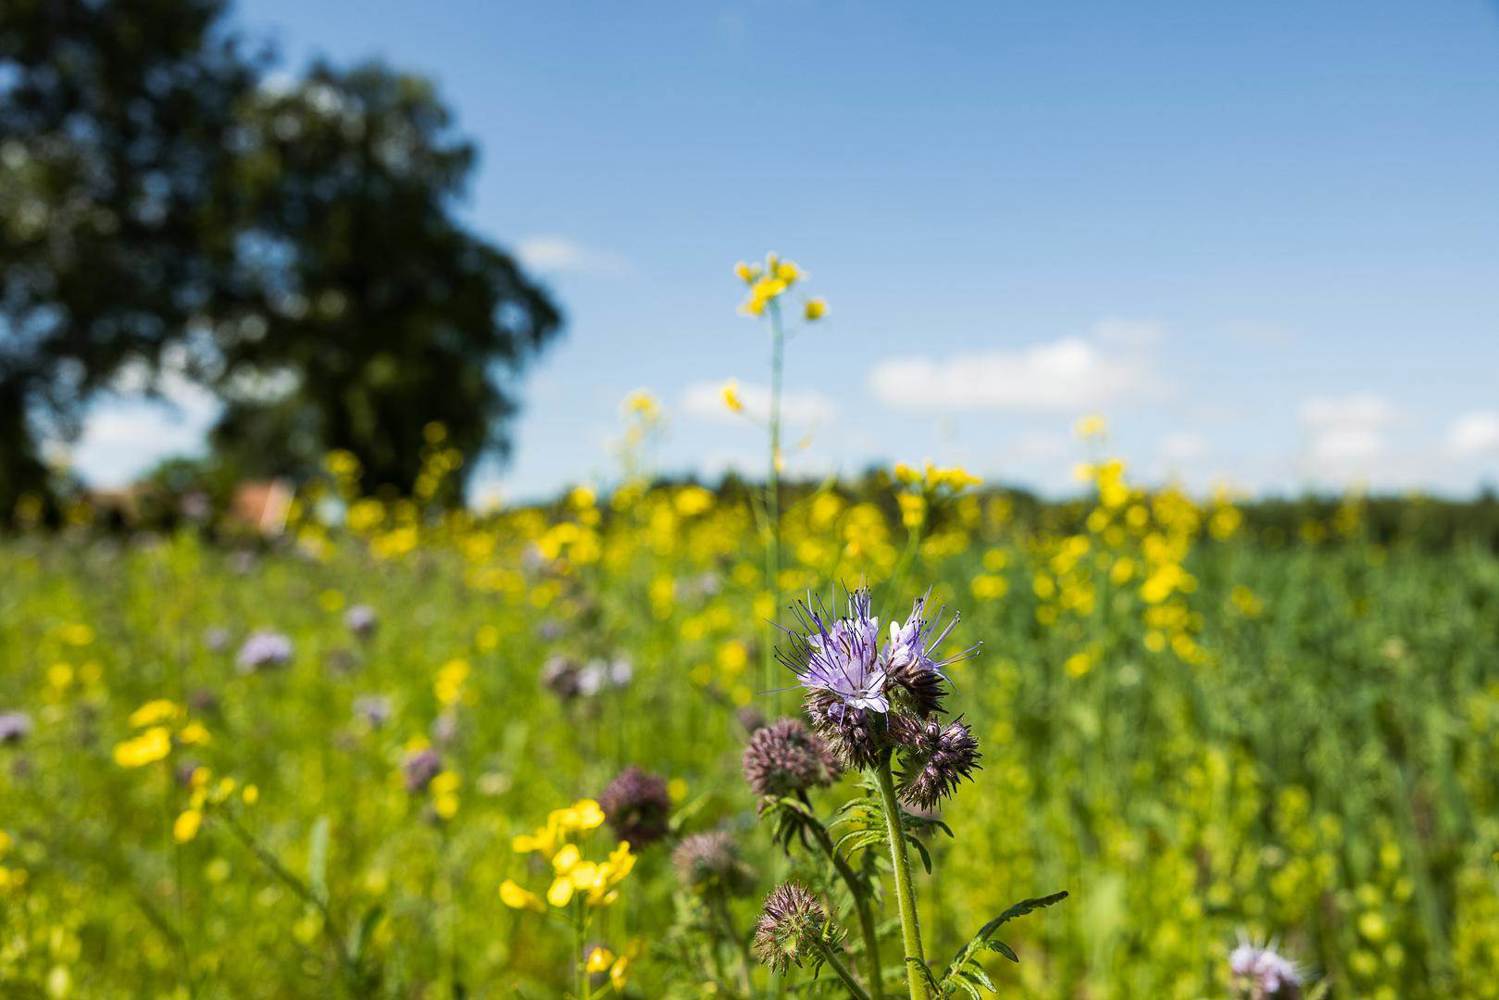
x,y
1474,434
705,400
550,254
1072,374
1344,432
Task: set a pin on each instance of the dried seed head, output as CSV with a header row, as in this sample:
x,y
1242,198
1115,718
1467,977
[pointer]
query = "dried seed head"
x,y
786,757
790,926
637,807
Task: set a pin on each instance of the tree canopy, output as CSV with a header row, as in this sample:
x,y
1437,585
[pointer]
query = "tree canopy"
x,y
166,206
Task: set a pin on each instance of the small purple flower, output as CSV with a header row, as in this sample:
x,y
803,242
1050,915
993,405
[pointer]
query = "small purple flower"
x,y
550,630
1266,973
263,649
419,767
374,709
14,727
361,620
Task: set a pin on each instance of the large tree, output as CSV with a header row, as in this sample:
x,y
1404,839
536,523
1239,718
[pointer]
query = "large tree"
x,y
293,245
116,129
381,312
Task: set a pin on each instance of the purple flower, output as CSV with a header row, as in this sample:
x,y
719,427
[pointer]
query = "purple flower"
x,y
841,660
14,727
934,758
910,658
263,649
710,862
419,767
1265,972
361,620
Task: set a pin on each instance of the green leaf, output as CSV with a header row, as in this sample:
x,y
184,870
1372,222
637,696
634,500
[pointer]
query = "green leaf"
x,y
317,860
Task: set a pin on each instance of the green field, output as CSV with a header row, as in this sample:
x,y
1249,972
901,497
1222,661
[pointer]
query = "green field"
x,y
1195,731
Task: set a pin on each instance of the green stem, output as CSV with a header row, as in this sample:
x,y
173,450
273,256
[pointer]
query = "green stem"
x,y
861,907
585,984
905,894
773,494
720,907
831,958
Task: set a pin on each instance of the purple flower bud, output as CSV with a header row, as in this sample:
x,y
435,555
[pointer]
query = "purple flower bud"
x,y
791,924
14,727
786,757
361,620
934,758
637,806
710,862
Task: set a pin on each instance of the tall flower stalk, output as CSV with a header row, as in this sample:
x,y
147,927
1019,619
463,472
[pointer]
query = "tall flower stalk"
x,y
768,283
877,708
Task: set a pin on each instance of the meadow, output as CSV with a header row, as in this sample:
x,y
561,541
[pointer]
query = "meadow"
x,y
299,767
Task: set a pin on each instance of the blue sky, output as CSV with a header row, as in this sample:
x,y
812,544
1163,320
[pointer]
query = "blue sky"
x,y
1262,239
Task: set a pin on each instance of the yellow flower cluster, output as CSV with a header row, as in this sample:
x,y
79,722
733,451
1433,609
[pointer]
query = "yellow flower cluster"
x,y
573,876
156,720
769,281
206,792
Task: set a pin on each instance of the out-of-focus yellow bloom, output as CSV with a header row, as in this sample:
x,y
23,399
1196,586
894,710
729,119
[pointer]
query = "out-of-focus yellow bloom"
x,y
747,273
186,826
193,734
517,897
449,683
815,309
154,713
731,397
599,960
250,795
643,405
147,748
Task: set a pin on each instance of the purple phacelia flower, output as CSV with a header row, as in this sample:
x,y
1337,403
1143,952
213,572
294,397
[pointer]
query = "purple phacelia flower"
x,y
911,662
263,649
786,758
710,863
792,926
1264,972
934,758
841,659
14,727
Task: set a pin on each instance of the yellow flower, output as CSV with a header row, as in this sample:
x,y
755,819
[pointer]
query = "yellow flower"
x,y
561,892
186,826
643,404
788,272
147,748
193,734
154,712
731,397
747,273
250,795
599,960
815,309
620,973
518,898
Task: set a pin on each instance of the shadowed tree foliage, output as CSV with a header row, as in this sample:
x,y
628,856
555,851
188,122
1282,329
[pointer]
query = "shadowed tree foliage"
x,y
380,313
164,208
116,133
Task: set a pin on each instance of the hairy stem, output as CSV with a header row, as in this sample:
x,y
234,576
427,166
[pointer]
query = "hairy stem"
x,y
856,888
905,894
831,958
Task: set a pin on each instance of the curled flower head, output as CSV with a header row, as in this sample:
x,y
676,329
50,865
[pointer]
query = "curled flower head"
x,y
419,767
710,862
786,757
263,649
790,927
1264,972
638,807
934,758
